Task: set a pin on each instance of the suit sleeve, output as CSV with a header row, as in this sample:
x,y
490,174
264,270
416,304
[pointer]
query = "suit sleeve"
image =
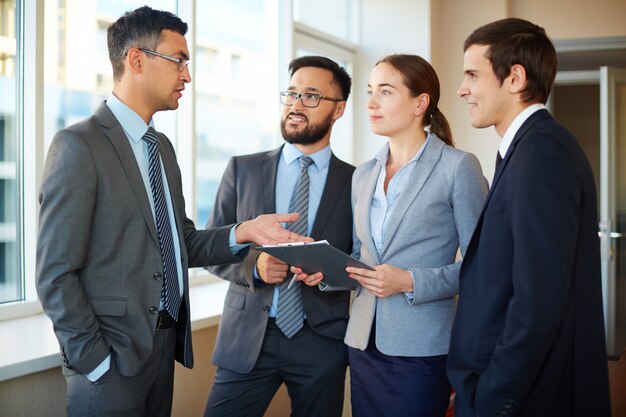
x,y
467,197
68,197
225,212
543,202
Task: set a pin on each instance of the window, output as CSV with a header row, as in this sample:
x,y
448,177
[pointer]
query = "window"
x,y
333,17
10,280
53,79
311,42
78,70
236,83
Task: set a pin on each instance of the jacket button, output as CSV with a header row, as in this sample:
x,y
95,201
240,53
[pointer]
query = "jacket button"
x,y
266,309
153,310
156,276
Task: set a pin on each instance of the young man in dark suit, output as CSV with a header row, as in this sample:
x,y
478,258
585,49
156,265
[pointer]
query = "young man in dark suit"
x,y
528,338
255,353
114,242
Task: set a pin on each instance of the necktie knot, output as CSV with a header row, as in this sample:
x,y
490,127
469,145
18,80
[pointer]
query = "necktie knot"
x,y
305,162
150,136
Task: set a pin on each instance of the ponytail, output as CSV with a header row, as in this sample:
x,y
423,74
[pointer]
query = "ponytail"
x,y
439,126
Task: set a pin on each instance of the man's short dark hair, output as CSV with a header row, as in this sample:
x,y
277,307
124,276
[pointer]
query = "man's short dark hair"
x,y
340,76
516,41
140,28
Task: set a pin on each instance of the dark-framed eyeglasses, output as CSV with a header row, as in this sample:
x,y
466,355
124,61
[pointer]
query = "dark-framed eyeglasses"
x,y
288,98
182,63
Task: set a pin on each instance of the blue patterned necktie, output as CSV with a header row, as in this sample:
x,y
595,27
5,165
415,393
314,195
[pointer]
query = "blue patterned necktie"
x,y
290,315
170,292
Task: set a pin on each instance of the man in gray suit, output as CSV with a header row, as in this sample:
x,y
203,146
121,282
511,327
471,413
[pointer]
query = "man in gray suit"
x,y
114,243
254,352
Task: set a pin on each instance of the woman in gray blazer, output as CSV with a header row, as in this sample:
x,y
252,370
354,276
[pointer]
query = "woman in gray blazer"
x,y
415,204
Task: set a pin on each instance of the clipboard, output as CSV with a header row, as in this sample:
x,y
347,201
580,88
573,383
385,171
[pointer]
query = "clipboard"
x,y
318,256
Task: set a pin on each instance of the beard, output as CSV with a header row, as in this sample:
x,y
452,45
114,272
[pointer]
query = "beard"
x,y
311,134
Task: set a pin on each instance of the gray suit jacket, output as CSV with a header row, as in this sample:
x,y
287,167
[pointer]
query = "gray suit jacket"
x,y
435,215
248,189
99,265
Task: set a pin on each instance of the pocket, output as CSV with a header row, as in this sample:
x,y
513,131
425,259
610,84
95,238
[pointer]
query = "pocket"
x,y
108,306
235,300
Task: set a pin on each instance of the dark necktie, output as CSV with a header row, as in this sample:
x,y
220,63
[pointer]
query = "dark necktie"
x,y
290,315
170,292
498,158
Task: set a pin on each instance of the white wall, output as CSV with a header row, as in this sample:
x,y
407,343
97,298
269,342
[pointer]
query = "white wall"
x,y
385,27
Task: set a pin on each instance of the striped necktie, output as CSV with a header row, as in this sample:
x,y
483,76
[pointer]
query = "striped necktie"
x,y
170,292
290,315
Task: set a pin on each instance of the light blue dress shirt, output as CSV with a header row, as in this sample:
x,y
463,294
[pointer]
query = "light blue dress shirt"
x,y
286,179
383,204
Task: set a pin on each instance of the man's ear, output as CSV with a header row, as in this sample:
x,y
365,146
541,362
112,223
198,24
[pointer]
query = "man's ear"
x,y
134,62
339,109
518,79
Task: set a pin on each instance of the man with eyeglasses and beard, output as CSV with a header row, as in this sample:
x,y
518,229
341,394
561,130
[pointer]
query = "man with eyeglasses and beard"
x,y
270,334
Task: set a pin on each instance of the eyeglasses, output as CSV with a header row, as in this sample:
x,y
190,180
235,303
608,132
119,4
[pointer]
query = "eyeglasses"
x,y
182,63
288,98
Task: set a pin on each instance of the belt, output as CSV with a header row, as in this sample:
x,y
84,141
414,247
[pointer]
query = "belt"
x,y
164,321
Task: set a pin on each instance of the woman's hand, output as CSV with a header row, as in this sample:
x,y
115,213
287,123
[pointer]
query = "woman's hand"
x,y
384,281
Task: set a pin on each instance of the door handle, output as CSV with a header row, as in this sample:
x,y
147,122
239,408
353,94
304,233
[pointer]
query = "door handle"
x,y
612,235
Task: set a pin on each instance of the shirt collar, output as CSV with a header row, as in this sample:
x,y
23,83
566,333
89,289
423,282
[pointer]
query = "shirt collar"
x,y
131,122
383,154
321,158
519,120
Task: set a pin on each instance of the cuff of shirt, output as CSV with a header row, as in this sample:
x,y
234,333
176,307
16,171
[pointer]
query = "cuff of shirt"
x,y
410,296
232,241
100,370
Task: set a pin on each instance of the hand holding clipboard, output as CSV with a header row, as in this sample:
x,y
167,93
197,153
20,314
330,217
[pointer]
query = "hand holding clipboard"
x,y
318,256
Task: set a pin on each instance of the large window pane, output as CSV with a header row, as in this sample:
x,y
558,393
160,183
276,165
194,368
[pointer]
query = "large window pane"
x,y
236,86
10,281
78,73
333,17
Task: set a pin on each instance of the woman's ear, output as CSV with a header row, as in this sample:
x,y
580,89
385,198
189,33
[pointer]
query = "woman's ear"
x,y
421,104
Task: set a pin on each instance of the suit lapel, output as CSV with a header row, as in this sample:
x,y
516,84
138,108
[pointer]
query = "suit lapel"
x,y
114,132
267,179
420,173
335,181
362,208
534,118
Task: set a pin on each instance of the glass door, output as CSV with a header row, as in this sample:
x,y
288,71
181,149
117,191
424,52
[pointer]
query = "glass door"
x,y
613,204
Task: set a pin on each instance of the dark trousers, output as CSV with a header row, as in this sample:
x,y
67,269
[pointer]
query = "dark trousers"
x,y
312,367
383,386
148,394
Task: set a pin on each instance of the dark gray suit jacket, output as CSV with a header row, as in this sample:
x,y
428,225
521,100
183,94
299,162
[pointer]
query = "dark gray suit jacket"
x,y
246,191
99,265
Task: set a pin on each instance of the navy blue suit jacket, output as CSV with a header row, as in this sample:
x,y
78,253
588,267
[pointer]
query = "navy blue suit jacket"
x,y
528,337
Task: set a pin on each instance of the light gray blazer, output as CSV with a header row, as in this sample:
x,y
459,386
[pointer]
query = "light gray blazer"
x,y
434,216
